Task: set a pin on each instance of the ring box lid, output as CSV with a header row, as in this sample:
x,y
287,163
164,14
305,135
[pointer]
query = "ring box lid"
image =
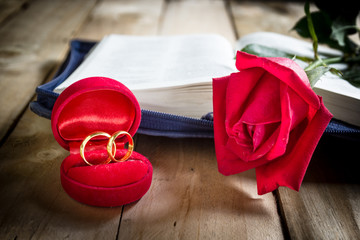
x,y
94,104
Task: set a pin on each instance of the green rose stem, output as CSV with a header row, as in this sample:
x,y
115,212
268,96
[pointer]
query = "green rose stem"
x,y
316,69
311,30
311,71
318,61
324,62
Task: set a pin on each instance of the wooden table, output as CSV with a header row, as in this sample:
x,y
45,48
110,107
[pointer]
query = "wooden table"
x,y
188,198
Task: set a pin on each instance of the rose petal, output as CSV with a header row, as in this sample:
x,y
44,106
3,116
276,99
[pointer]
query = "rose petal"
x,y
289,170
285,70
294,110
285,126
298,108
247,153
263,104
219,91
242,145
228,162
239,88
262,133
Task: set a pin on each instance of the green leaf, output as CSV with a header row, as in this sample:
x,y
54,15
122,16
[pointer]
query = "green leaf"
x,y
338,34
301,28
315,74
340,29
322,26
263,51
352,75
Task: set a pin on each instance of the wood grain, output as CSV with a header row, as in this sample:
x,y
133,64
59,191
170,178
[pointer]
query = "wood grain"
x,y
194,17
140,17
10,7
189,198
271,16
31,45
327,206
33,203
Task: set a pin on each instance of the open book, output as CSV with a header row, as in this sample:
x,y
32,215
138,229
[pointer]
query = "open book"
x,y
170,74
173,74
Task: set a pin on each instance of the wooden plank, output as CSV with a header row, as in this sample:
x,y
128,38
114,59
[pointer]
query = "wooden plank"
x,y
271,16
10,7
140,17
327,206
189,198
193,17
33,203
31,45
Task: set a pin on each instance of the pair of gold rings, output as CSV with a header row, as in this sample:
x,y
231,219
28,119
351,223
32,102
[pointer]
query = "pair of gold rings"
x,y
111,146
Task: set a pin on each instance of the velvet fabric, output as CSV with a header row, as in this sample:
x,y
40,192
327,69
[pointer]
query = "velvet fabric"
x,y
99,104
266,116
106,185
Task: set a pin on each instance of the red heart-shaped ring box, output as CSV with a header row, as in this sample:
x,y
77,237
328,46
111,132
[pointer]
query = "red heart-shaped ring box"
x,y
99,104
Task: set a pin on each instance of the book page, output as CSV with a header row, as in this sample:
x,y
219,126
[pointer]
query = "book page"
x,y
194,100
157,61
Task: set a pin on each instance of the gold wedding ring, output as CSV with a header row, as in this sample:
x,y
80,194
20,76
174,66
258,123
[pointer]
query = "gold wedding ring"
x,y
83,144
130,146
111,146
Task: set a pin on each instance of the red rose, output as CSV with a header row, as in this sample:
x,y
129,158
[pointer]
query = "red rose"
x,y
267,117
